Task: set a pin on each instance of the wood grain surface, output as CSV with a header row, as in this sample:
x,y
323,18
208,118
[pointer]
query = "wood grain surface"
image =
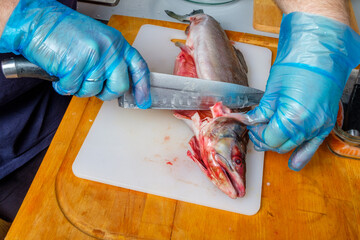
x,y
320,202
4,228
267,16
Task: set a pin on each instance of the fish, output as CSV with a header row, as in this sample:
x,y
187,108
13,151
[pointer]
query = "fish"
x,y
219,143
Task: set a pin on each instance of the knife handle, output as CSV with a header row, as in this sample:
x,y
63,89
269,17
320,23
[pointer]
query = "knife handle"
x,y
352,115
19,67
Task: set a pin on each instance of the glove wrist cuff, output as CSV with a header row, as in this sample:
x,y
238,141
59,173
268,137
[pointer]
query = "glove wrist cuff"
x,y
318,43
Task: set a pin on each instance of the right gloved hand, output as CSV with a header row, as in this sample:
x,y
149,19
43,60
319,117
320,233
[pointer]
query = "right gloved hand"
x,y
90,58
299,108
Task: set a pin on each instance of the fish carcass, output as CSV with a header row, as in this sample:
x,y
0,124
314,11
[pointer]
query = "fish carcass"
x,y
219,143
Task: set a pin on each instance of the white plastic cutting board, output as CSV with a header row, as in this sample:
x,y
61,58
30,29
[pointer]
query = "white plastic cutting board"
x,y
145,150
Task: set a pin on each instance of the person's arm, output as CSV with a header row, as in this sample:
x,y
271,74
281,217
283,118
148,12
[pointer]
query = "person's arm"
x,y
316,52
89,57
6,8
334,9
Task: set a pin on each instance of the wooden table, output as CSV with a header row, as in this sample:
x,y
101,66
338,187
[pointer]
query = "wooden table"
x,y
320,202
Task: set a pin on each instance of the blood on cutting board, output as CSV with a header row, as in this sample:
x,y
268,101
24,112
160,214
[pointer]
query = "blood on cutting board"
x,y
171,162
166,138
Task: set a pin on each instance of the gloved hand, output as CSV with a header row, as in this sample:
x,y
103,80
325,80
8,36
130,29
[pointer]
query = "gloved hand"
x,y
89,57
299,108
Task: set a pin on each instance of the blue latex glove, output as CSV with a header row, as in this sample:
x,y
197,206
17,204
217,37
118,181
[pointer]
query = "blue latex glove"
x,y
90,58
299,108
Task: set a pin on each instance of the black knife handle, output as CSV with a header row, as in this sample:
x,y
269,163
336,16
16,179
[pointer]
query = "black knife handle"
x,y
19,67
352,115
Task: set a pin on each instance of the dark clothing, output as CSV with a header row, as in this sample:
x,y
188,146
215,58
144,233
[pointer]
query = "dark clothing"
x,y
15,186
30,112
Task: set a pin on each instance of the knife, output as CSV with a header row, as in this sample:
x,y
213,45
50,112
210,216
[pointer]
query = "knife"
x,y
167,91
352,113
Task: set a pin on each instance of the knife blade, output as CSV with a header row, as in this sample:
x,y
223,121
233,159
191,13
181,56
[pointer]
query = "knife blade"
x,y
186,93
167,91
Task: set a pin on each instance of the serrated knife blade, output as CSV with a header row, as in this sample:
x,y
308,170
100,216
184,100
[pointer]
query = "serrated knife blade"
x,y
186,93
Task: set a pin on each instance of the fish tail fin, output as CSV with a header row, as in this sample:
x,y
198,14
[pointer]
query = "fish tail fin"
x,y
183,18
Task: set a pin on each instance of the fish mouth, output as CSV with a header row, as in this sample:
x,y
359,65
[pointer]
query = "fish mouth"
x,y
235,181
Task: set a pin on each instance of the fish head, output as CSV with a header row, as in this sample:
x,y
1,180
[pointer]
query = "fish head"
x,y
225,154
219,148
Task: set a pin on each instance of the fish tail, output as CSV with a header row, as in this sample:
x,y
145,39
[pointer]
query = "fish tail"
x,y
183,18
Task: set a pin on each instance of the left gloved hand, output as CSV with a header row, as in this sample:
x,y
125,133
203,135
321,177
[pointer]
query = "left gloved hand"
x,y
299,108
90,58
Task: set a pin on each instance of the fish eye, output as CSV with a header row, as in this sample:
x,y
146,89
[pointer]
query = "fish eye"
x,y
237,161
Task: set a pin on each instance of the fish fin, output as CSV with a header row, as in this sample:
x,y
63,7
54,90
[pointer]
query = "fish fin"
x,y
183,114
184,63
186,49
183,18
241,58
187,114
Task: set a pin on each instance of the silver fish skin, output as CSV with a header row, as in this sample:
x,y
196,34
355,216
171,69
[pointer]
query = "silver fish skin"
x,y
214,55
